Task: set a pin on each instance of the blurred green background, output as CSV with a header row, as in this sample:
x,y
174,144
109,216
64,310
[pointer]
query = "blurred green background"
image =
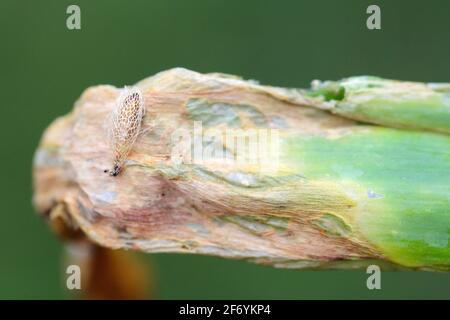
x,y
44,67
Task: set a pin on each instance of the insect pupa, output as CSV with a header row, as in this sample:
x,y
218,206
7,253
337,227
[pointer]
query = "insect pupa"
x,y
124,126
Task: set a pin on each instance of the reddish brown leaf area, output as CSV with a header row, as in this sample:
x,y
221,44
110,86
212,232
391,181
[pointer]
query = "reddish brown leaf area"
x,y
154,205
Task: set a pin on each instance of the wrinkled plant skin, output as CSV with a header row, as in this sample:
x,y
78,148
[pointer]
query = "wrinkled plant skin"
x,y
330,192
